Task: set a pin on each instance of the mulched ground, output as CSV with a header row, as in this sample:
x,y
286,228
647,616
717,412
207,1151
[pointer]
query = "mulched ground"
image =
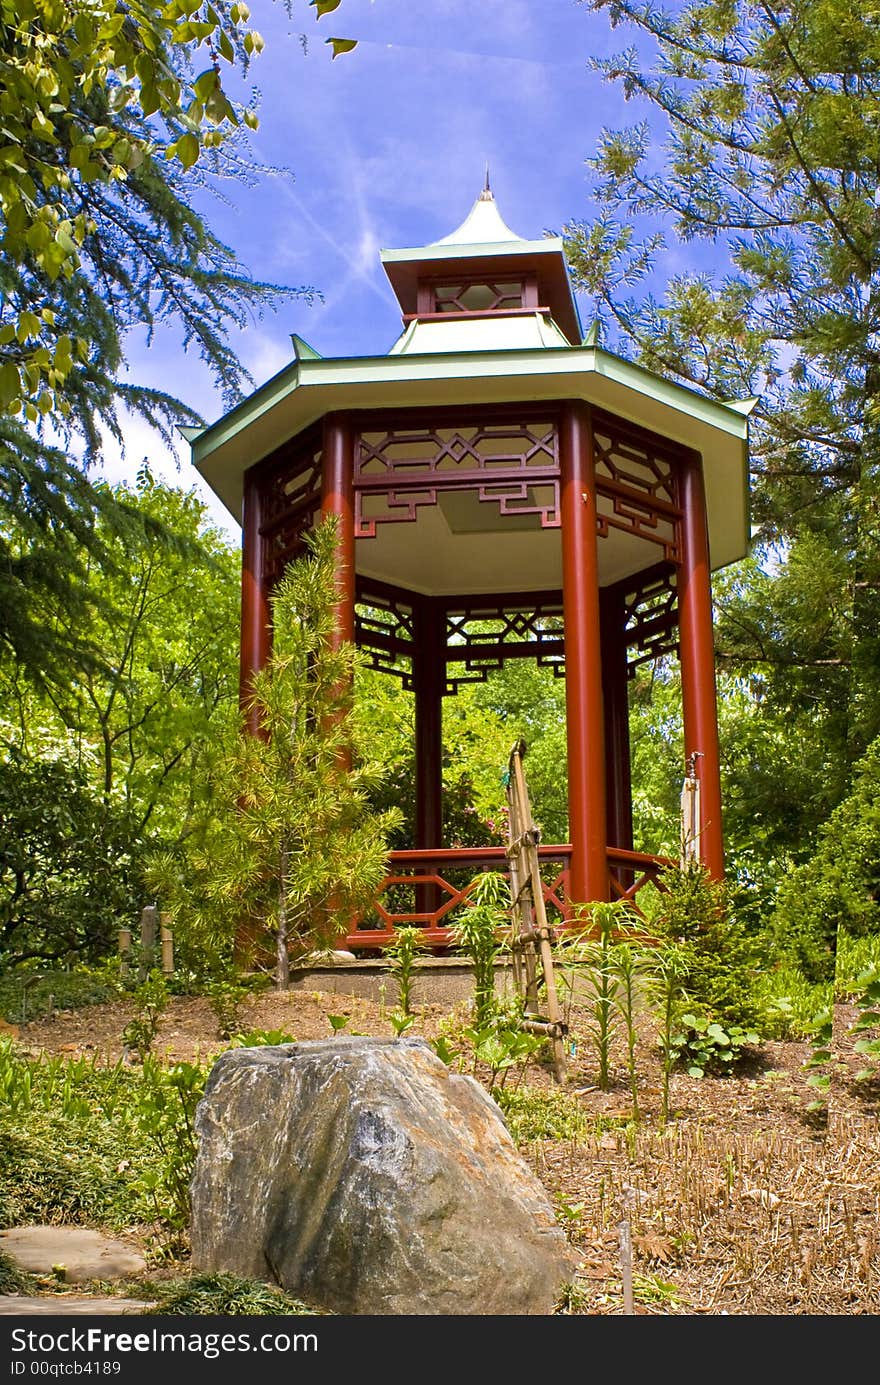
x,y
746,1203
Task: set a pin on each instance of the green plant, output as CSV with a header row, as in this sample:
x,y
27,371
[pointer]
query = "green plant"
x,y
670,972
226,1295
502,1045
150,1001
14,1280
704,1046
400,1022
866,1000
68,864
262,1038
165,1117
634,965
444,1050
226,996
695,912
788,1001
338,1023
28,995
539,1113
854,954
822,1033
289,842
476,932
588,975
401,954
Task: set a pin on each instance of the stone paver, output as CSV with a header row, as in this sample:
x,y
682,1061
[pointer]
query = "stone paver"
x,y
69,1303
84,1253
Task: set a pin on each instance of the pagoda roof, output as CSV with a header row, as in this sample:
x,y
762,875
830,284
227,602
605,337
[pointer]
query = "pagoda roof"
x,y
311,386
485,245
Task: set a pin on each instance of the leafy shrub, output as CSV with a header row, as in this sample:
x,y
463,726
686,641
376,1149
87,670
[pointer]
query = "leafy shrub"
x,y
150,1001
68,867
703,1046
720,959
838,890
226,1295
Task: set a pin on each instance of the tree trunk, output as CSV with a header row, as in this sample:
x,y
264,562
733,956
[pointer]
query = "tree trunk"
x,y
282,962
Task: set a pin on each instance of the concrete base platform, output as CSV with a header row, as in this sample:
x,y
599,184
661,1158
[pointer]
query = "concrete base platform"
x,y
438,980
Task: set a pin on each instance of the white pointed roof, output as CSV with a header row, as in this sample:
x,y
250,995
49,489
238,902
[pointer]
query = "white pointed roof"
x,y
483,225
485,244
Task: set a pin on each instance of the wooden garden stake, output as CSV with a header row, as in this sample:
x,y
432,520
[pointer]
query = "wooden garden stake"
x,y
626,1249
124,951
149,923
530,934
167,941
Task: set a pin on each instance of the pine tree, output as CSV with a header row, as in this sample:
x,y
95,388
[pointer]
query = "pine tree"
x,y
291,848
109,127
762,142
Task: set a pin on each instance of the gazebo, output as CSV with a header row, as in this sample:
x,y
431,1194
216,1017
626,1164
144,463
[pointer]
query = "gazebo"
x,y
505,488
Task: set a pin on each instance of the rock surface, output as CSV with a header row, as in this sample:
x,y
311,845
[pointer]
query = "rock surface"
x,y
85,1254
364,1176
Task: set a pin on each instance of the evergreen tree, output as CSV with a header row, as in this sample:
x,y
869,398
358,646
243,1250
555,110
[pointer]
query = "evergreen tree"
x,y
108,126
290,848
770,151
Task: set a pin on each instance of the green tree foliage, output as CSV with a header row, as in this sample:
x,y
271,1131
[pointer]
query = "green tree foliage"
x,y
768,148
67,868
838,889
139,708
105,111
697,917
290,844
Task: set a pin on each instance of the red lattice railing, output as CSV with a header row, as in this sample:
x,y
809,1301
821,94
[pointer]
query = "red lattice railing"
x,y
426,888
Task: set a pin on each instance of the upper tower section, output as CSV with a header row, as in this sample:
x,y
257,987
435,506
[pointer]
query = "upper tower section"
x,y
483,288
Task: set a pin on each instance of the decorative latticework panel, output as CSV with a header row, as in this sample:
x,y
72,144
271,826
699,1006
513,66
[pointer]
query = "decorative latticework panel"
x,y
650,609
511,464
482,634
636,488
384,629
290,499
477,297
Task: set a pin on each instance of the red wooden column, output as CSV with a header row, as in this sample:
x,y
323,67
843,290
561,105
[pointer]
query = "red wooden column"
x,y
337,498
583,657
429,682
256,628
615,700
699,706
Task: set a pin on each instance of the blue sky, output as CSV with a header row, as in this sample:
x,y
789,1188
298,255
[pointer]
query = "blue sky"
x,y
384,147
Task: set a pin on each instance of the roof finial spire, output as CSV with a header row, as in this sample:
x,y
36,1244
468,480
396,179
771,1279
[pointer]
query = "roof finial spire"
x,y
486,194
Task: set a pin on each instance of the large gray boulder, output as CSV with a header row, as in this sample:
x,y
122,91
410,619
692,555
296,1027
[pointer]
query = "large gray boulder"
x,y
364,1176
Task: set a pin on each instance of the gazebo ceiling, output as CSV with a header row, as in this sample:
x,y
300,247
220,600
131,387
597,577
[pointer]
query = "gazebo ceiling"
x,y
311,387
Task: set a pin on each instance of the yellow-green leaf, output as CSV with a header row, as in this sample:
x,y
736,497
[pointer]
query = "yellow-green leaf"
x,y
187,150
341,45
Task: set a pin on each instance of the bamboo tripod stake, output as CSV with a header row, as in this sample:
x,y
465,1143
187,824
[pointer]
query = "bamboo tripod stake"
x,y
530,934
